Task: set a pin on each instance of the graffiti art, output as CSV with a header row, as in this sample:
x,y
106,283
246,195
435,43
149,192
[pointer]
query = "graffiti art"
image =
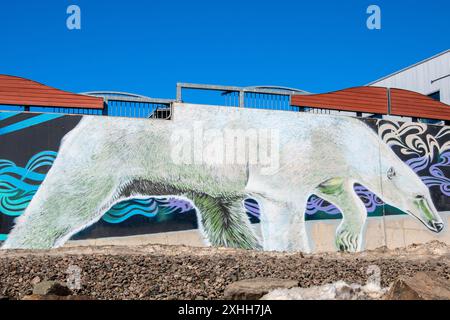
x,y
73,175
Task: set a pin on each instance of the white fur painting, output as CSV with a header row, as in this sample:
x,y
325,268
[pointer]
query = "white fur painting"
x,y
287,158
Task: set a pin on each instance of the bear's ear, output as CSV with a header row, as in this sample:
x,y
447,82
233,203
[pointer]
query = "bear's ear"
x,y
391,173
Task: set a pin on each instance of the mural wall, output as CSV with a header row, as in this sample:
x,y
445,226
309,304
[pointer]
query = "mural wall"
x,y
82,177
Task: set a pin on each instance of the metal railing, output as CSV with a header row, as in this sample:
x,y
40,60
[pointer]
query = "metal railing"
x,y
261,97
119,104
124,104
42,109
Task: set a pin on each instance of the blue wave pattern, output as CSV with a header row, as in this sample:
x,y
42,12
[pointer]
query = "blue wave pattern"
x,y
18,185
36,120
147,207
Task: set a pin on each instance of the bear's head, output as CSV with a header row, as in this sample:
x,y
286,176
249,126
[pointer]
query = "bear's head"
x,y
403,189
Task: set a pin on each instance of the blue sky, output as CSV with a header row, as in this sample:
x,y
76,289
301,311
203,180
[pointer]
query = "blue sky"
x,y
147,46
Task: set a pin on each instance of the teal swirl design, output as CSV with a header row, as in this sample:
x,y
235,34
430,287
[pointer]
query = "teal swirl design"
x,y
148,207
18,185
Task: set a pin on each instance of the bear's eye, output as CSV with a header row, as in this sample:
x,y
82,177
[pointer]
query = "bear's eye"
x,y
420,197
391,173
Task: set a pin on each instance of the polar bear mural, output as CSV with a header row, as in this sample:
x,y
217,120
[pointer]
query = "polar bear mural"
x,y
105,160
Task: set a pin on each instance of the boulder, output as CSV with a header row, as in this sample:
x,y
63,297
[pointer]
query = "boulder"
x,y
333,291
56,288
422,286
254,289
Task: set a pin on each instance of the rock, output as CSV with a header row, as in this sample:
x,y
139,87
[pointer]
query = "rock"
x,y
346,292
422,286
39,297
56,288
339,290
3,298
254,289
35,280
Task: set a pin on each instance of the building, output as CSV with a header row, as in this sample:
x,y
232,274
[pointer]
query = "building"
x,y
430,77
419,93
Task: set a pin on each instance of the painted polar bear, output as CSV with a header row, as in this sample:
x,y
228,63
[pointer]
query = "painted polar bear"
x,y
106,160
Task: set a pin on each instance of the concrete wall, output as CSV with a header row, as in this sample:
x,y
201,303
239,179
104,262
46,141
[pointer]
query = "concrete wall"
x,y
326,182
392,232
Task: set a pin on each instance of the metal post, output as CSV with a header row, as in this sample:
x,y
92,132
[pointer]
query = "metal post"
x,y
241,98
105,107
179,93
389,100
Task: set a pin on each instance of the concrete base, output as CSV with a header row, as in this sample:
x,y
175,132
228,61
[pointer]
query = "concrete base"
x,y
391,231
191,238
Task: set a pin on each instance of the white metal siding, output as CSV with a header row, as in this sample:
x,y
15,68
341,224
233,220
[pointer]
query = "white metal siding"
x,y
420,77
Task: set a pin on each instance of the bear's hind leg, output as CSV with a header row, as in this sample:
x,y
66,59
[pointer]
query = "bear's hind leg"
x,y
340,192
224,222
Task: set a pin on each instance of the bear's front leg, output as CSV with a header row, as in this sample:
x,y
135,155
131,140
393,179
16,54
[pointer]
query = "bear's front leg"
x,y
283,225
340,192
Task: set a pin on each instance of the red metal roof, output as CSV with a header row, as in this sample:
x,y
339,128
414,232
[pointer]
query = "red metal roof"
x,y
360,99
376,100
23,92
413,104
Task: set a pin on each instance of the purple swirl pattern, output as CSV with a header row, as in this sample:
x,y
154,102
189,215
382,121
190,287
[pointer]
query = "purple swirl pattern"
x,y
316,204
178,205
252,208
370,200
438,178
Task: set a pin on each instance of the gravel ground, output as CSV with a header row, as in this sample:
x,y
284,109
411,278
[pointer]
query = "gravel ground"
x,y
179,272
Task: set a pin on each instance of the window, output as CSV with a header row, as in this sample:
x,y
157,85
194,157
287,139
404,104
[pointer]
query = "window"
x,y
435,95
431,121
